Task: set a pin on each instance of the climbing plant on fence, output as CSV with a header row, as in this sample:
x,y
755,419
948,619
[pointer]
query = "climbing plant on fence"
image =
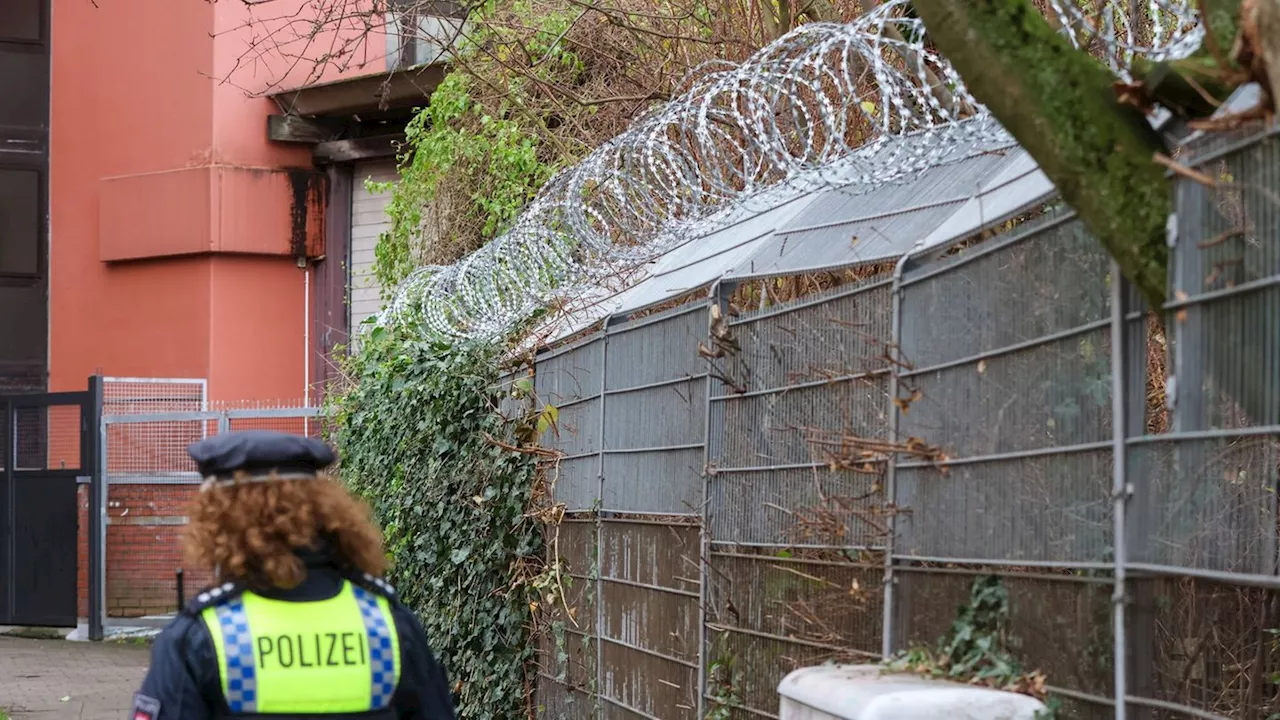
x,y
421,439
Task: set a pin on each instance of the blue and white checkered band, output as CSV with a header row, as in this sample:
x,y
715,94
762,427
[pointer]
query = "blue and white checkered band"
x,y
382,658
242,684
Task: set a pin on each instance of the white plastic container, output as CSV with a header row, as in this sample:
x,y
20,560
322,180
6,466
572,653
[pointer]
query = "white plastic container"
x,y
866,692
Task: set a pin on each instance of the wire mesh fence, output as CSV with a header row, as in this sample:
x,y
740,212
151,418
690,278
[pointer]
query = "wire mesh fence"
x,y
1204,518
146,428
748,492
44,437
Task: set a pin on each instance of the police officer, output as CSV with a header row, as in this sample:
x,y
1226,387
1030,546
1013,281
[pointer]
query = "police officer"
x,y
301,625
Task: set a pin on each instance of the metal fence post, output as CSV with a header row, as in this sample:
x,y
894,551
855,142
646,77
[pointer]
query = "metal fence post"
x,y
891,485
96,456
1140,593
8,466
719,298
1120,485
604,385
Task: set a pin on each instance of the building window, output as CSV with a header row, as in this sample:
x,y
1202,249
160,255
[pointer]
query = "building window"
x,y
19,223
420,32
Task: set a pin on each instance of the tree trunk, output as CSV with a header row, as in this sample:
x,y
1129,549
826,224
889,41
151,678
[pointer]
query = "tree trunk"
x,y
1059,104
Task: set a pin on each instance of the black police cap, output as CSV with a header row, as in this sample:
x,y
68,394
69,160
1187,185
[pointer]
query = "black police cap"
x,y
260,454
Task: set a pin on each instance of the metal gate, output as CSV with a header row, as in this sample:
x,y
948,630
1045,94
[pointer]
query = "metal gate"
x,y
147,481
48,446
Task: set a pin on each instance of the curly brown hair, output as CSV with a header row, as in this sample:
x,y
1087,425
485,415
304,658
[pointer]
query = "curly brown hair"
x,y
250,532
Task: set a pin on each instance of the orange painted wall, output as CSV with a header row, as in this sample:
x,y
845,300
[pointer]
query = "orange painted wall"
x,y
133,318
170,212
257,318
170,231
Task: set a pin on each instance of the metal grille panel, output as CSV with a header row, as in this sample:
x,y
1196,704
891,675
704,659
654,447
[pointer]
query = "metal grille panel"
x,y
997,409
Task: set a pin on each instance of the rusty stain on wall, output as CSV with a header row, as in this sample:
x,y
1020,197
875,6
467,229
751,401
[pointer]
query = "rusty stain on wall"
x,y
306,212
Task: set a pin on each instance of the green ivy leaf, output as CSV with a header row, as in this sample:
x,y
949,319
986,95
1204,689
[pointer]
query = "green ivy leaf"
x,y
413,438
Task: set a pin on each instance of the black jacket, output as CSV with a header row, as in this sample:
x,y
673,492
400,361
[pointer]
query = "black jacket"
x,y
183,679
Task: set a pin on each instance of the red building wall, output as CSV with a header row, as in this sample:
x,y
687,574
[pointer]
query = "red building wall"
x,y
173,232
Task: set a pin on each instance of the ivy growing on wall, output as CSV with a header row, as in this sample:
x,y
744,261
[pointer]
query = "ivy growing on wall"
x,y
421,440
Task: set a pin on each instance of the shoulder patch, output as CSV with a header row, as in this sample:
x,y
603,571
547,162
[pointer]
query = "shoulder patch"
x,y
145,707
375,584
212,596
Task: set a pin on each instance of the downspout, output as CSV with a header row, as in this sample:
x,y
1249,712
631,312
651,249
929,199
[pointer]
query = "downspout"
x,y
306,342
891,491
1120,491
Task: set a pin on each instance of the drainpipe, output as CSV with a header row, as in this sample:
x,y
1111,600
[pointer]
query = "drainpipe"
x,y
306,341
886,640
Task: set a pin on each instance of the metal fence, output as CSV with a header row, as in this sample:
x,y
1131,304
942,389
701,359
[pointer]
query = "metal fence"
x,y
146,427
827,485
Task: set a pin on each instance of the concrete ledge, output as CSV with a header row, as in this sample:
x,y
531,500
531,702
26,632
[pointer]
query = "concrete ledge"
x,y
867,692
144,628
35,633
119,633
211,209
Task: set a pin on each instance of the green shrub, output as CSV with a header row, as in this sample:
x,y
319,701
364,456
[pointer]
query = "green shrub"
x,y
416,434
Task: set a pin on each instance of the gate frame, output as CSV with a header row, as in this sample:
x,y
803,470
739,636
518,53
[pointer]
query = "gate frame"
x,y
102,481
89,403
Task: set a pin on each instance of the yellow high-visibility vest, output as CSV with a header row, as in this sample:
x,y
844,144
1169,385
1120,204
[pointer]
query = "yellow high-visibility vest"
x,y
340,655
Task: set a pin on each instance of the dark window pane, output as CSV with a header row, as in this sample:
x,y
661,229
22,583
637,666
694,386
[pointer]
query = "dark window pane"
x,y
20,19
25,81
19,222
24,326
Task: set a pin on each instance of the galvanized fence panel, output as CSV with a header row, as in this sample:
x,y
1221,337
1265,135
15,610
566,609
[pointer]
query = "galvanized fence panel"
x,y
140,396
1005,375
567,646
632,422
651,494
649,595
571,380
788,410
655,414
1207,486
1017,403
823,480
1059,624
795,519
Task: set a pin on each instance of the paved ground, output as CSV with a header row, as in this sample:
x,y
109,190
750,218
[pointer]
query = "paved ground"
x,y
61,680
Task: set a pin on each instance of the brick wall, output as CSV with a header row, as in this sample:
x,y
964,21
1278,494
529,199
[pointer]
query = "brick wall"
x,y
144,549
145,520
145,516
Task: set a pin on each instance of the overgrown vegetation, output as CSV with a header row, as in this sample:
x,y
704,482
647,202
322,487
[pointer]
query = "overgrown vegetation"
x,y
471,163
422,441
535,86
976,648
724,692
